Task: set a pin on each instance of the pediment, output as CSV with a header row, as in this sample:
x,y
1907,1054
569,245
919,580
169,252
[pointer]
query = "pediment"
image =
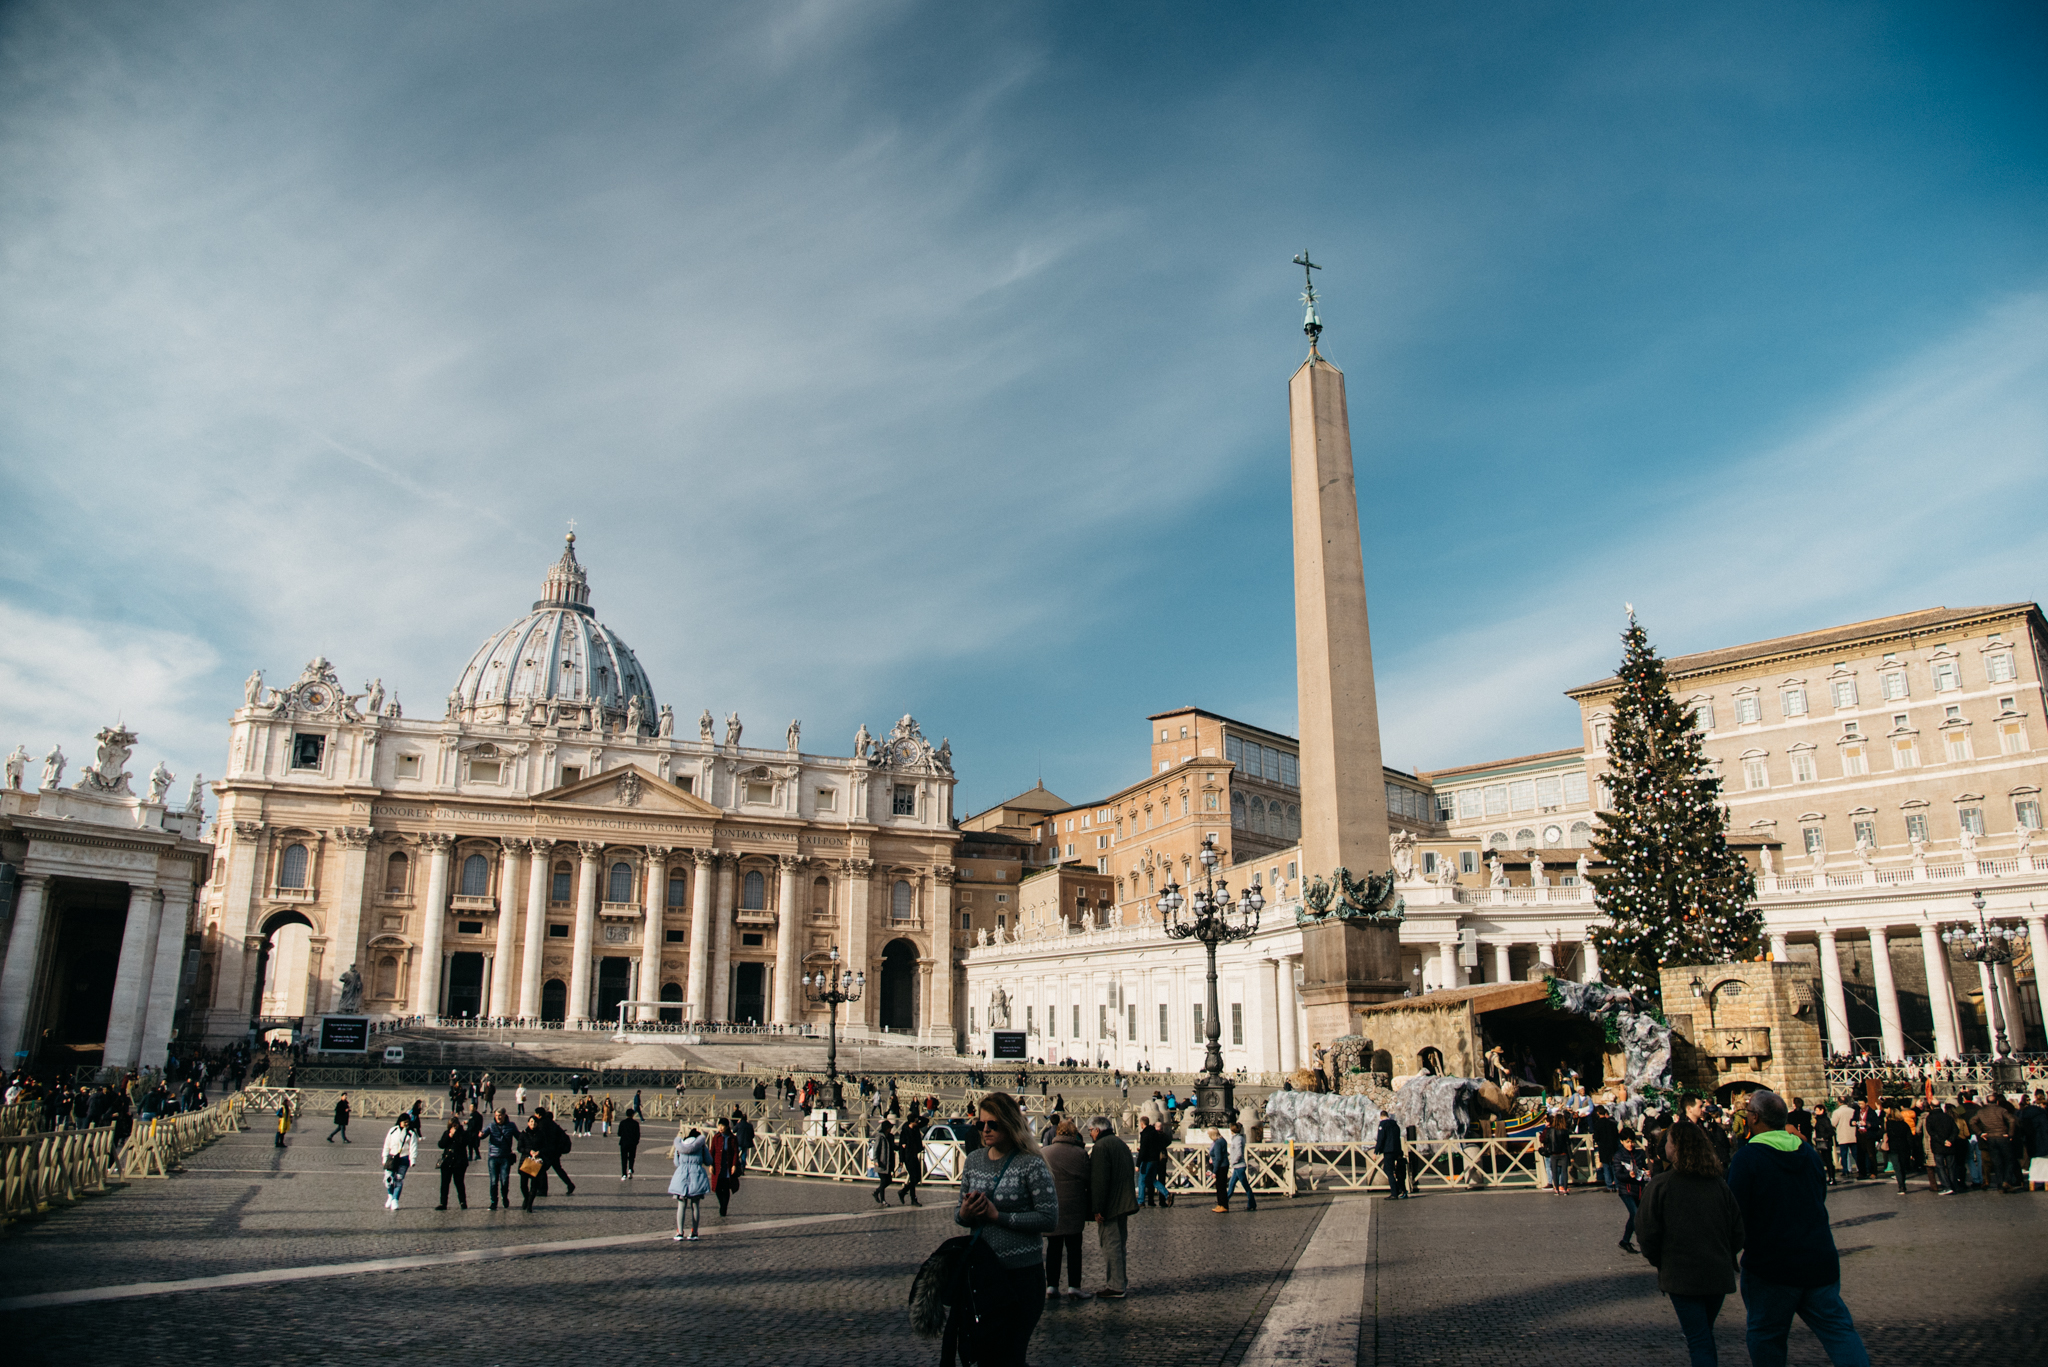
x,y
629,786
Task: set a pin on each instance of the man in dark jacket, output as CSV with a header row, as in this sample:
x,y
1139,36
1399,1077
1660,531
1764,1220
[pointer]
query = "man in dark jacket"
x,y
1944,1137
1789,1263
554,1143
629,1144
1113,1196
1151,1160
1996,1124
502,1136
340,1120
1387,1144
1219,1169
1606,1142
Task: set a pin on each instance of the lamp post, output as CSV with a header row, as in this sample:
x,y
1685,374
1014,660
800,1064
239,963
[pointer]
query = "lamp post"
x,y
830,986
1213,919
1988,943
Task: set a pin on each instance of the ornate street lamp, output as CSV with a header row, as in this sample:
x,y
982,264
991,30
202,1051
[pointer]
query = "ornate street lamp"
x,y
1212,918
829,987
1989,943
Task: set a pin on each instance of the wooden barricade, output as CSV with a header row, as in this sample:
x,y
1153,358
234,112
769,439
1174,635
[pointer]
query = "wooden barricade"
x,y
37,1171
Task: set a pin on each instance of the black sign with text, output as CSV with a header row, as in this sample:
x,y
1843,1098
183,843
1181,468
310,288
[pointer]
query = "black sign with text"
x,y
344,1034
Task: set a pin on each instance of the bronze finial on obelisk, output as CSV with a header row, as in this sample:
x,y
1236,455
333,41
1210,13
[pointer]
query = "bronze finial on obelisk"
x,y
1351,950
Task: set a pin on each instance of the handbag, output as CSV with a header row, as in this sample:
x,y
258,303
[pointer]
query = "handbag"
x,y
395,1163
945,1283
530,1165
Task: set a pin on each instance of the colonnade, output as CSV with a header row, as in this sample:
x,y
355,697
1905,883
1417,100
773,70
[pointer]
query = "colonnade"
x,y
1942,996
1442,968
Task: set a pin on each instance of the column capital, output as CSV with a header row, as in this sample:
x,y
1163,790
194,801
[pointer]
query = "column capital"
x,y
593,850
858,868
706,859
790,863
512,845
660,852
440,842
351,837
249,830
542,846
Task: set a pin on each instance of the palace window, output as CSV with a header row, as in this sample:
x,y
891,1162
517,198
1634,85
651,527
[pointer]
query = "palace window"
x,y
306,751
620,886
1905,753
1803,768
1792,702
754,891
1524,838
2027,813
1852,761
1755,774
1599,735
1497,799
1970,819
291,870
1893,684
1948,676
1468,860
1446,806
1748,709
1470,803
395,870
902,903
1866,831
2012,737
558,887
476,876
1816,842
1703,715
1998,668
1958,742
903,801
1575,787
1429,861
1549,793
1916,826
1844,692
1582,836
1522,795
1497,841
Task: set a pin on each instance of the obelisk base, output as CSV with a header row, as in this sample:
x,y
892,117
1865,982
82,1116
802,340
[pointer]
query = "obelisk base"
x,y
1346,965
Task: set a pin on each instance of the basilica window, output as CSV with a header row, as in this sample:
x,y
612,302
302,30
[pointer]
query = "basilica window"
x,y
306,751
828,799
558,888
476,876
903,801
572,773
753,892
406,766
291,870
761,794
678,888
902,903
620,886
396,868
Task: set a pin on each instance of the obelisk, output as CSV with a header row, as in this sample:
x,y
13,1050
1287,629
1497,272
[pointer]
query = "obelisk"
x,y
1346,963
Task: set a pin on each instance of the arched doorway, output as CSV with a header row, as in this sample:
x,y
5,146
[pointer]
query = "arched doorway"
x,y
554,1000
899,986
274,923
672,992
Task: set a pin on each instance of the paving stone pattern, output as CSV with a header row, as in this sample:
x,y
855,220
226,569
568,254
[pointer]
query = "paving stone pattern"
x,y
831,1293
1536,1278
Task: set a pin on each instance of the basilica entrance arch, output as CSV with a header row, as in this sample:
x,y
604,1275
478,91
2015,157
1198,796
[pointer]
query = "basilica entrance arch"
x,y
276,921
899,986
554,999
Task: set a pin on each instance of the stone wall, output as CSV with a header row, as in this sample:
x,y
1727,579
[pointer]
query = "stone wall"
x,y
1752,1025
1405,1029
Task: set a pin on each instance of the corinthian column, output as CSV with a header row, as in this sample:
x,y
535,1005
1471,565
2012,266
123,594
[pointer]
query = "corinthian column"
x,y
131,976
538,877
698,987
783,1009
18,978
504,971
721,940
426,992
586,930
649,986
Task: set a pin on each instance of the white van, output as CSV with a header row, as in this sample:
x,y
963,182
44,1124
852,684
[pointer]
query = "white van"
x,y
394,1053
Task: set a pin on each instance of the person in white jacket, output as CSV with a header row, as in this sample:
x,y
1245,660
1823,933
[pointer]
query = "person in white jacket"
x,y
401,1147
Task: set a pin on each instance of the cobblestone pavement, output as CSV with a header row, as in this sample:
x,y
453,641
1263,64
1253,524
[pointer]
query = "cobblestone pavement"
x,y
1536,1278
822,1293
1455,1279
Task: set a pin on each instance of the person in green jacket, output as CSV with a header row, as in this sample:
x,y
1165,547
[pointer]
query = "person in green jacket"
x,y
1113,1196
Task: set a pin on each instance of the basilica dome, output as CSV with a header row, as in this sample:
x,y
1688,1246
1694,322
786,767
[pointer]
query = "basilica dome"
x,y
556,666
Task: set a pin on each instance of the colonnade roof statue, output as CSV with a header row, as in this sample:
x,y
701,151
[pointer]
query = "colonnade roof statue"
x,y
558,665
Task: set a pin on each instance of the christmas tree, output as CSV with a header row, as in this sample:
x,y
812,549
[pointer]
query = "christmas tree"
x,y
1673,893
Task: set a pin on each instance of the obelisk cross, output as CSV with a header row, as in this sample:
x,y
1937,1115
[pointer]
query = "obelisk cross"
x,y
1310,323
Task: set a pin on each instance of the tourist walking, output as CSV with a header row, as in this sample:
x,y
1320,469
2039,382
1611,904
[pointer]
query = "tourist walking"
x,y
340,1120
1943,1139
1236,1145
1841,1125
284,1121
1555,1144
1789,1263
629,1144
519,1098
605,1111
691,1182
401,1147
1067,1161
557,1143
503,1138
725,1164
1631,1175
1869,1129
533,1163
454,1162
882,1153
1008,1198
1219,1171
1113,1199
1899,1142
1151,1160
910,1148
1387,1144
1691,1230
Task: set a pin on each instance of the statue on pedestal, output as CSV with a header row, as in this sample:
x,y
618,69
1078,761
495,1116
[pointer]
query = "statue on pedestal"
x,y
17,765
351,992
159,782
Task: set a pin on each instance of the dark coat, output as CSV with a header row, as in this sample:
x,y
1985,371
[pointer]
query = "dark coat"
x,y
1691,1229
629,1132
1387,1143
1151,1144
1784,1199
341,1112
503,1137
1112,1178
454,1151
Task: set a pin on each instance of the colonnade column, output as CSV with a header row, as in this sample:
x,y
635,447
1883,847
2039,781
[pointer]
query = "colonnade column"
x,y
1447,963
1887,995
1781,951
721,939
1502,966
586,929
782,1007
174,917
538,885
1986,986
698,986
1835,1002
1589,956
2009,999
426,993
2037,935
1284,1003
648,986
503,966
131,976
1941,998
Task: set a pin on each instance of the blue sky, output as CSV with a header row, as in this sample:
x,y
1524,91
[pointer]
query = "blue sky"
x,y
932,358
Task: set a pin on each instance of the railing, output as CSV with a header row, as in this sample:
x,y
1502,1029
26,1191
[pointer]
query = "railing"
x,y
23,1117
1273,1169
1944,1075
155,1146
41,1170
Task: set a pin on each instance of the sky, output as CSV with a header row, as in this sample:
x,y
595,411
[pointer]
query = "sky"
x,y
919,358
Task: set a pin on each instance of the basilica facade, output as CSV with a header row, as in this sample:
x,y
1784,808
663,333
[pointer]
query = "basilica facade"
x,y
550,849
